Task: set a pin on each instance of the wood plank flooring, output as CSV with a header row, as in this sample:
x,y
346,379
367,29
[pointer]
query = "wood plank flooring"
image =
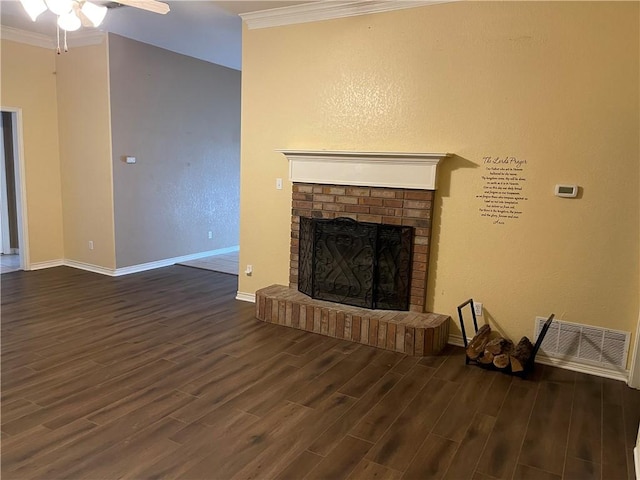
x,y
163,374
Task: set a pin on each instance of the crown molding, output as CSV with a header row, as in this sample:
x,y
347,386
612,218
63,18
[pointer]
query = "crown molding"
x,y
86,37
80,38
327,10
28,38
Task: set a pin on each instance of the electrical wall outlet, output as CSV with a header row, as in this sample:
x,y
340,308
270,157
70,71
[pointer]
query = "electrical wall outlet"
x,y
278,184
90,244
210,235
249,270
478,308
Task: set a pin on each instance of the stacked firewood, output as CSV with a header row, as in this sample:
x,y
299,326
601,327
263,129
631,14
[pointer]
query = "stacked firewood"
x,y
487,349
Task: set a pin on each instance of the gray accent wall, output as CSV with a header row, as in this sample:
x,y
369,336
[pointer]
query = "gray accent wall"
x,y
180,118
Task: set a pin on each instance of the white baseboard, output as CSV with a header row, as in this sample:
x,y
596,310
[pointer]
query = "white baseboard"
x,y
246,297
89,267
172,261
235,248
583,368
48,264
143,267
456,340
565,364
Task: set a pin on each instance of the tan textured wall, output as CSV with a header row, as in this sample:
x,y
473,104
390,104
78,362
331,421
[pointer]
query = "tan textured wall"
x,y
85,153
528,80
28,82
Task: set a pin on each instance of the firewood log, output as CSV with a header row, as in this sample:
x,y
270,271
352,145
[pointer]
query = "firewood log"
x,y
497,345
477,344
516,366
523,351
486,358
501,361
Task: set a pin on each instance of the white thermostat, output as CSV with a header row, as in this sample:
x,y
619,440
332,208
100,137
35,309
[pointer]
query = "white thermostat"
x,y
569,191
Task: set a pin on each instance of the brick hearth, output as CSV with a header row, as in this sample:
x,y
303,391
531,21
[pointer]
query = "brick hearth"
x,y
406,332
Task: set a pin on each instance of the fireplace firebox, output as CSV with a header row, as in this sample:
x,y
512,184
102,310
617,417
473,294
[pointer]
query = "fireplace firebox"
x,y
355,263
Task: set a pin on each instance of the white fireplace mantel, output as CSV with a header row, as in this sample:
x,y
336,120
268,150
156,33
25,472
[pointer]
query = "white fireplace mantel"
x,y
374,169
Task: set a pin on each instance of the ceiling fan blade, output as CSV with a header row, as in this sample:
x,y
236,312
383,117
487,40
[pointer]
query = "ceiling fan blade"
x,y
83,18
150,5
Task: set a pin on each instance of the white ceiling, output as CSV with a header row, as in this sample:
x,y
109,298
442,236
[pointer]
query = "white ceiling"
x,y
209,30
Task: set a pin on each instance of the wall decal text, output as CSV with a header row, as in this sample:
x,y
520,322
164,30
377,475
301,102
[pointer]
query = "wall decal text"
x,y
503,189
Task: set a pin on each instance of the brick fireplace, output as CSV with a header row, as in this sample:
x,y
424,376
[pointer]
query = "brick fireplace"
x,y
382,188
368,204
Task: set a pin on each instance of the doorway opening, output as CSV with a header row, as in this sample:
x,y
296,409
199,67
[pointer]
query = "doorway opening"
x,y
12,239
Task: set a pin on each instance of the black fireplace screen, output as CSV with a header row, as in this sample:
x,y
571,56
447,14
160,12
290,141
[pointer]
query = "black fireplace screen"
x,y
355,263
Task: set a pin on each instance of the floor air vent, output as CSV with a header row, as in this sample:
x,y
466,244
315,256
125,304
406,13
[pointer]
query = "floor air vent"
x,y
585,344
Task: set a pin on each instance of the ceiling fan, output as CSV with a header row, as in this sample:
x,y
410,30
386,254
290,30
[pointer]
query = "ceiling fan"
x,y
72,14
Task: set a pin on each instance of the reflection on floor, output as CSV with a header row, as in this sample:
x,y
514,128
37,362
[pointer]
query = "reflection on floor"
x,y
9,263
225,263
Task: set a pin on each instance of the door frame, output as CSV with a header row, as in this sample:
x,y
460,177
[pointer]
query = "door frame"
x,y
21,189
4,204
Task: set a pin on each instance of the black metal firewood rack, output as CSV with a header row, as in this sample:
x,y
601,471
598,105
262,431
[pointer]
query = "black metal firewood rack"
x,y
527,367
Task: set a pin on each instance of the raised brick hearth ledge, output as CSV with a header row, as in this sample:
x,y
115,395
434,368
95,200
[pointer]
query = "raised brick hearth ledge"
x,y
412,333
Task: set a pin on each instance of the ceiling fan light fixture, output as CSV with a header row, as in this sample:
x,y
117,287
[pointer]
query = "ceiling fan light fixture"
x,y
60,7
69,22
94,13
34,8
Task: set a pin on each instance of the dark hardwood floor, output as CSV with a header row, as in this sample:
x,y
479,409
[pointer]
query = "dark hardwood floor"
x,y
163,374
